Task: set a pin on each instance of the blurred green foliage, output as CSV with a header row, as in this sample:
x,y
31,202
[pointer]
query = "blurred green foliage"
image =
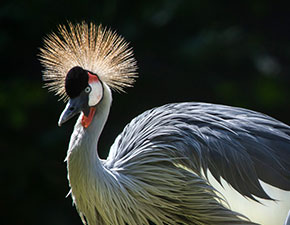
x,y
228,52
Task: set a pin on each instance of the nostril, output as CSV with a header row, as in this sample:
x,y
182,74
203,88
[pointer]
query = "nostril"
x,y
71,108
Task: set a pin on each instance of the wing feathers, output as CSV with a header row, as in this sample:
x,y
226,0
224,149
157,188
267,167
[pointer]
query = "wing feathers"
x,y
240,145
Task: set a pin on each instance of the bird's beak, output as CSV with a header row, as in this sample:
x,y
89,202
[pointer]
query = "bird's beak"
x,y
73,107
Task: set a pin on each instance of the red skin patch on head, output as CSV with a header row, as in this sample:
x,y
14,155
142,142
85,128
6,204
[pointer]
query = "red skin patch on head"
x,y
93,78
86,120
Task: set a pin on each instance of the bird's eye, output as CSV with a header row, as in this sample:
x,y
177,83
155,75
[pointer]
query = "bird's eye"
x,y
88,89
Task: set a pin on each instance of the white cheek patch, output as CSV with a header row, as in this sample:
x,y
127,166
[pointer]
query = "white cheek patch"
x,y
96,93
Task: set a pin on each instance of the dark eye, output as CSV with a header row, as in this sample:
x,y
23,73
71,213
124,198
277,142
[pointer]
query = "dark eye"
x,y
88,89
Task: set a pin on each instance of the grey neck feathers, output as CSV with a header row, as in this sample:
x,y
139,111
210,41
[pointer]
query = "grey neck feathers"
x,y
83,162
87,138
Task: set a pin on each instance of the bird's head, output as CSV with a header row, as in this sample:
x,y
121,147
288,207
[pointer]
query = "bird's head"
x,y
85,91
79,60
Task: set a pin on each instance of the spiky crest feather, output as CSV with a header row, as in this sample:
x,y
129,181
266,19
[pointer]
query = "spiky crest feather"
x,y
92,47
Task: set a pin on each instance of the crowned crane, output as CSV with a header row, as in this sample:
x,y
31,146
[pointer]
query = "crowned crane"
x,y
182,163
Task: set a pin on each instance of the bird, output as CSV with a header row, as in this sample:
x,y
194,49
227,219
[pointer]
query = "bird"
x,y
180,163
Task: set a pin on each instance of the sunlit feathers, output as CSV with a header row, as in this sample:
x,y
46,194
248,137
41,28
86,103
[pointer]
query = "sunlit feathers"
x,y
91,47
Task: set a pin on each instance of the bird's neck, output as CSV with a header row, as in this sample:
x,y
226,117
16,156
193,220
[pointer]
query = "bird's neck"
x,y
84,141
84,165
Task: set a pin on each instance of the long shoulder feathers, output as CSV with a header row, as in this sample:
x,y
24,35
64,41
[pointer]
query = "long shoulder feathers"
x,y
239,145
287,221
92,47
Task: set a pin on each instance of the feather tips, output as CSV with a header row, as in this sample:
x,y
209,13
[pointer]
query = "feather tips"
x,y
92,47
240,145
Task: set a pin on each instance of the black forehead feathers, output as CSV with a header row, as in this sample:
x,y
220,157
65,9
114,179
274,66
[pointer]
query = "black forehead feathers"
x,y
76,81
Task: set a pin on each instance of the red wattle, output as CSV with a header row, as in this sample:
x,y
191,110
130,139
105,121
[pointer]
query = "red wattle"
x,y
86,120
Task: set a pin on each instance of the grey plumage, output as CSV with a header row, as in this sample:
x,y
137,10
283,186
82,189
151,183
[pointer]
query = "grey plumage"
x,y
240,145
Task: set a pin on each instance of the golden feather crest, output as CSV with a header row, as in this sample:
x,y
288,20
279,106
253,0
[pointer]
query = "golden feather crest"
x,y
91,47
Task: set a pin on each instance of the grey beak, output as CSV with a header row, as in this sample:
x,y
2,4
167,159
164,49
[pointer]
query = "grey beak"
x,y
73,107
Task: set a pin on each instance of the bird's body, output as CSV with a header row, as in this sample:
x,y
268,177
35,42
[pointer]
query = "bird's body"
x,y
167,165
143,156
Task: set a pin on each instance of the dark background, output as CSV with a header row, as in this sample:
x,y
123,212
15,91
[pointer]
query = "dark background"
x,y
229,52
